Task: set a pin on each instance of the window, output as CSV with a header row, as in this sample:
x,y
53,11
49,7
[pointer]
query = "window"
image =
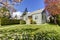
x,y
36,17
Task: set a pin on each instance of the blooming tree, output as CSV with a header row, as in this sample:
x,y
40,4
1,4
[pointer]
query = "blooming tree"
x,y
9,3
53,7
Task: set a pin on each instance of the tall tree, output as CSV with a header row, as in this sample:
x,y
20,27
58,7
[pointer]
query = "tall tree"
x,y
25,12
53,7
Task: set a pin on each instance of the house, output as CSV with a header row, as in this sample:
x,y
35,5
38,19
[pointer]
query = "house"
x,y
16,15
39,16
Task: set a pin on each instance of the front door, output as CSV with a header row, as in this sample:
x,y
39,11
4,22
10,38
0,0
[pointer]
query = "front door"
x,y
30,19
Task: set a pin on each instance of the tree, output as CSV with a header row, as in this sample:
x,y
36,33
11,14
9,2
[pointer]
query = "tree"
x,y
7,7
9,3
25,12
53,7
4,12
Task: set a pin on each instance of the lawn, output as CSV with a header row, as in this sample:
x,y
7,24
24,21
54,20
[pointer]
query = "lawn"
x,y
44,27
47,30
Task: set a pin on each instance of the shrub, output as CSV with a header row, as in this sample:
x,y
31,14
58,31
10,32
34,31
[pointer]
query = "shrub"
x,y
51,20
6,21
58,19
55,19
33,22
58,22
22,22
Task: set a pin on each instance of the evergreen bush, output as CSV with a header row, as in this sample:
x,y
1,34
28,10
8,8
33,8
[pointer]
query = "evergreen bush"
x,y
6,21
33,22
58,19
22,22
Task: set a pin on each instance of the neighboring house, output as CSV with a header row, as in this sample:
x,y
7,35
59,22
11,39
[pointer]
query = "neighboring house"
x,y
38,16
16,15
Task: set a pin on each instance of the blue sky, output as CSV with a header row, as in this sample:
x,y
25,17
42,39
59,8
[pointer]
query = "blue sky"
x,y
31,5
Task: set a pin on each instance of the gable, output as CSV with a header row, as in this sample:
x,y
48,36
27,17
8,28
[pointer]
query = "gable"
x,y
36,12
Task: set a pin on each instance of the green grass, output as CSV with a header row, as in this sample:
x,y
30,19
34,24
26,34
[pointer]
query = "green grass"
x,y
44,30
42,27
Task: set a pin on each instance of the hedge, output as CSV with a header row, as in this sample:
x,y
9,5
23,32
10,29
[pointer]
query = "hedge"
x,y
22,22
33,22
6,21
58,20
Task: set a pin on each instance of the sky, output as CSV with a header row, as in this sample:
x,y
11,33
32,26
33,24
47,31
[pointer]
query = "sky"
x,y
31,5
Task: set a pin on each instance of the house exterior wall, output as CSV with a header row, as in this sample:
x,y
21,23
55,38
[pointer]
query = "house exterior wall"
x,y
44,17
26,19
37,18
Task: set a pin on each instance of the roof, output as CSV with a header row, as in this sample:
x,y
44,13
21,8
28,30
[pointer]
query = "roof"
x,y
36,12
